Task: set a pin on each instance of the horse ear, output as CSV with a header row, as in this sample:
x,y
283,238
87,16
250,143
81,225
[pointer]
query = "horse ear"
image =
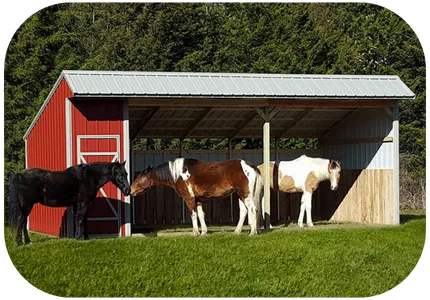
x,y
124,163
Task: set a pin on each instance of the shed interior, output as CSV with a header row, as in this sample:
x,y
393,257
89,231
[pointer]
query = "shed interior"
x,y
169,118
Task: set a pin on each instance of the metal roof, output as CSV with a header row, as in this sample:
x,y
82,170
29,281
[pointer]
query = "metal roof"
x,y
234,85
196,121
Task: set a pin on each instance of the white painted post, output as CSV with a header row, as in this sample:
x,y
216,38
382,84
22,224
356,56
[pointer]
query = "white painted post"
x,y
127,142
396,177
266,161
231,195
277,192
181,154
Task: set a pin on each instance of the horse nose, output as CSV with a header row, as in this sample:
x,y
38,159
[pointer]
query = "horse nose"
x,y
334,188
127,191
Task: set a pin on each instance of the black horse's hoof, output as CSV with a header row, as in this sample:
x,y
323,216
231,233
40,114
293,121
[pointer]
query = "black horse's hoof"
x,y
19,243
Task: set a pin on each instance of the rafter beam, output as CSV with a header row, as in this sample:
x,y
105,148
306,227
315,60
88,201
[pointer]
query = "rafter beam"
x,y
339,123
249,118
267,113
296,120
198,122
142,124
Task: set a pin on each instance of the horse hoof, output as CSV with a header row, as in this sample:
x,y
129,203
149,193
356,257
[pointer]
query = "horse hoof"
x,y
196,233
310,224
19,243
300,225
204,233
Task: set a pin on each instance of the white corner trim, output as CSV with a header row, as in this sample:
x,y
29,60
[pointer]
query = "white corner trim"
x,y
69,161
26,166
45,103
126,140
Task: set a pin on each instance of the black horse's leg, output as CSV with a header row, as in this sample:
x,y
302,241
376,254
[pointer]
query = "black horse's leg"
x,y
25,213
82,210
21,221
26,236
85,226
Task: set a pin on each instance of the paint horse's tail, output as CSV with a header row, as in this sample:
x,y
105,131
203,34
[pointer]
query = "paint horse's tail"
x,y
14,206
257,195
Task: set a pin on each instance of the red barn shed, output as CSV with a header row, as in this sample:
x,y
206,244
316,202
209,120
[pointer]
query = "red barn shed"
x,y
68,131
93,115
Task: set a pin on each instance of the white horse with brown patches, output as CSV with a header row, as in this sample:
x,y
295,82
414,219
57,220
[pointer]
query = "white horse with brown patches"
x,y
302,175
193,180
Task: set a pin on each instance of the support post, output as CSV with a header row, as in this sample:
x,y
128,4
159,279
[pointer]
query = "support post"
x,y
277,192
266,161
267,114
396,177
231,195
181,154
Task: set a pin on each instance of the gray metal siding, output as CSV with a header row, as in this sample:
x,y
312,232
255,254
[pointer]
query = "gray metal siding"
x,y
365,123
143,159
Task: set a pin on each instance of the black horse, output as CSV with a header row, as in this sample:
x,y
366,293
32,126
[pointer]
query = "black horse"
x,y
76,186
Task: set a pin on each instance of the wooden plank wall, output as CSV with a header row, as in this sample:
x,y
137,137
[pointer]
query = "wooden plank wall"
x,y
364,196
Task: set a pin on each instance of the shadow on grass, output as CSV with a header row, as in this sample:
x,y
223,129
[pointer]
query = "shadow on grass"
x,y
404,218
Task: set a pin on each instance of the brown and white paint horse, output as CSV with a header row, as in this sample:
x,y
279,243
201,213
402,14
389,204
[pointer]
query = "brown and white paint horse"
x,y
303,175
193,179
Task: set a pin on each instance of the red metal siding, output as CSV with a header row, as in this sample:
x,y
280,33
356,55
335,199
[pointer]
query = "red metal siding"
x,y
99,117
46,149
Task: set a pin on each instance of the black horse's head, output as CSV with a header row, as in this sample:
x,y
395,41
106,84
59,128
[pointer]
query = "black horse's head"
x,y
119,177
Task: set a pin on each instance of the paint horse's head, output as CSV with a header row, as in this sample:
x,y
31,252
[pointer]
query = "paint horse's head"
x,y
142,182
334,173
119,177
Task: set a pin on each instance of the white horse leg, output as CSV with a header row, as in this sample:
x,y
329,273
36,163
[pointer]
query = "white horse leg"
x,y
252,214
308,207
201,215
195,224
302,211
243,212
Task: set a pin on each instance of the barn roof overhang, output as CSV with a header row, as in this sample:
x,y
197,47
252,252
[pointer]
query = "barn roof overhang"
x,y
223,105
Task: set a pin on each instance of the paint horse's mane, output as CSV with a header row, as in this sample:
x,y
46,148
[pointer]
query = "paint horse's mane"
x,y
318,165
162,172
171,170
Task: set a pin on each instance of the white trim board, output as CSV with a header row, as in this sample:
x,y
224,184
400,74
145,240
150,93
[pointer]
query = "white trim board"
x,y
116,156
126,155
69,161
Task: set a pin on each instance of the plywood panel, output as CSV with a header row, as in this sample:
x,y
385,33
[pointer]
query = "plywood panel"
x,y
364,196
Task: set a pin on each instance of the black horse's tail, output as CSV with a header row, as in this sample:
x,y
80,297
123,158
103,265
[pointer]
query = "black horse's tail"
x,y
14,205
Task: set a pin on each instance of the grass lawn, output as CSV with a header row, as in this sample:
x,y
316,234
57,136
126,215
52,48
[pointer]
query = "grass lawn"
x,y
325,261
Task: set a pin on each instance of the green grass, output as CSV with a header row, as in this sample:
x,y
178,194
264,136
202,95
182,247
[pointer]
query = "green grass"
x,y
326,261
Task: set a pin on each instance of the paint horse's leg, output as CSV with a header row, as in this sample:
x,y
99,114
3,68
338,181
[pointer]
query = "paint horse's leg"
x,y
263,214
308,207
252,214
201,216
191,204
243,212
302,211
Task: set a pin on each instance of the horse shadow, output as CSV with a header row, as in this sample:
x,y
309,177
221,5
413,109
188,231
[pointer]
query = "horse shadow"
x,y
405,218
100,220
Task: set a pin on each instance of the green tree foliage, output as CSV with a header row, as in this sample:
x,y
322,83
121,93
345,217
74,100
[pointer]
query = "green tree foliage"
x,y
322,38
